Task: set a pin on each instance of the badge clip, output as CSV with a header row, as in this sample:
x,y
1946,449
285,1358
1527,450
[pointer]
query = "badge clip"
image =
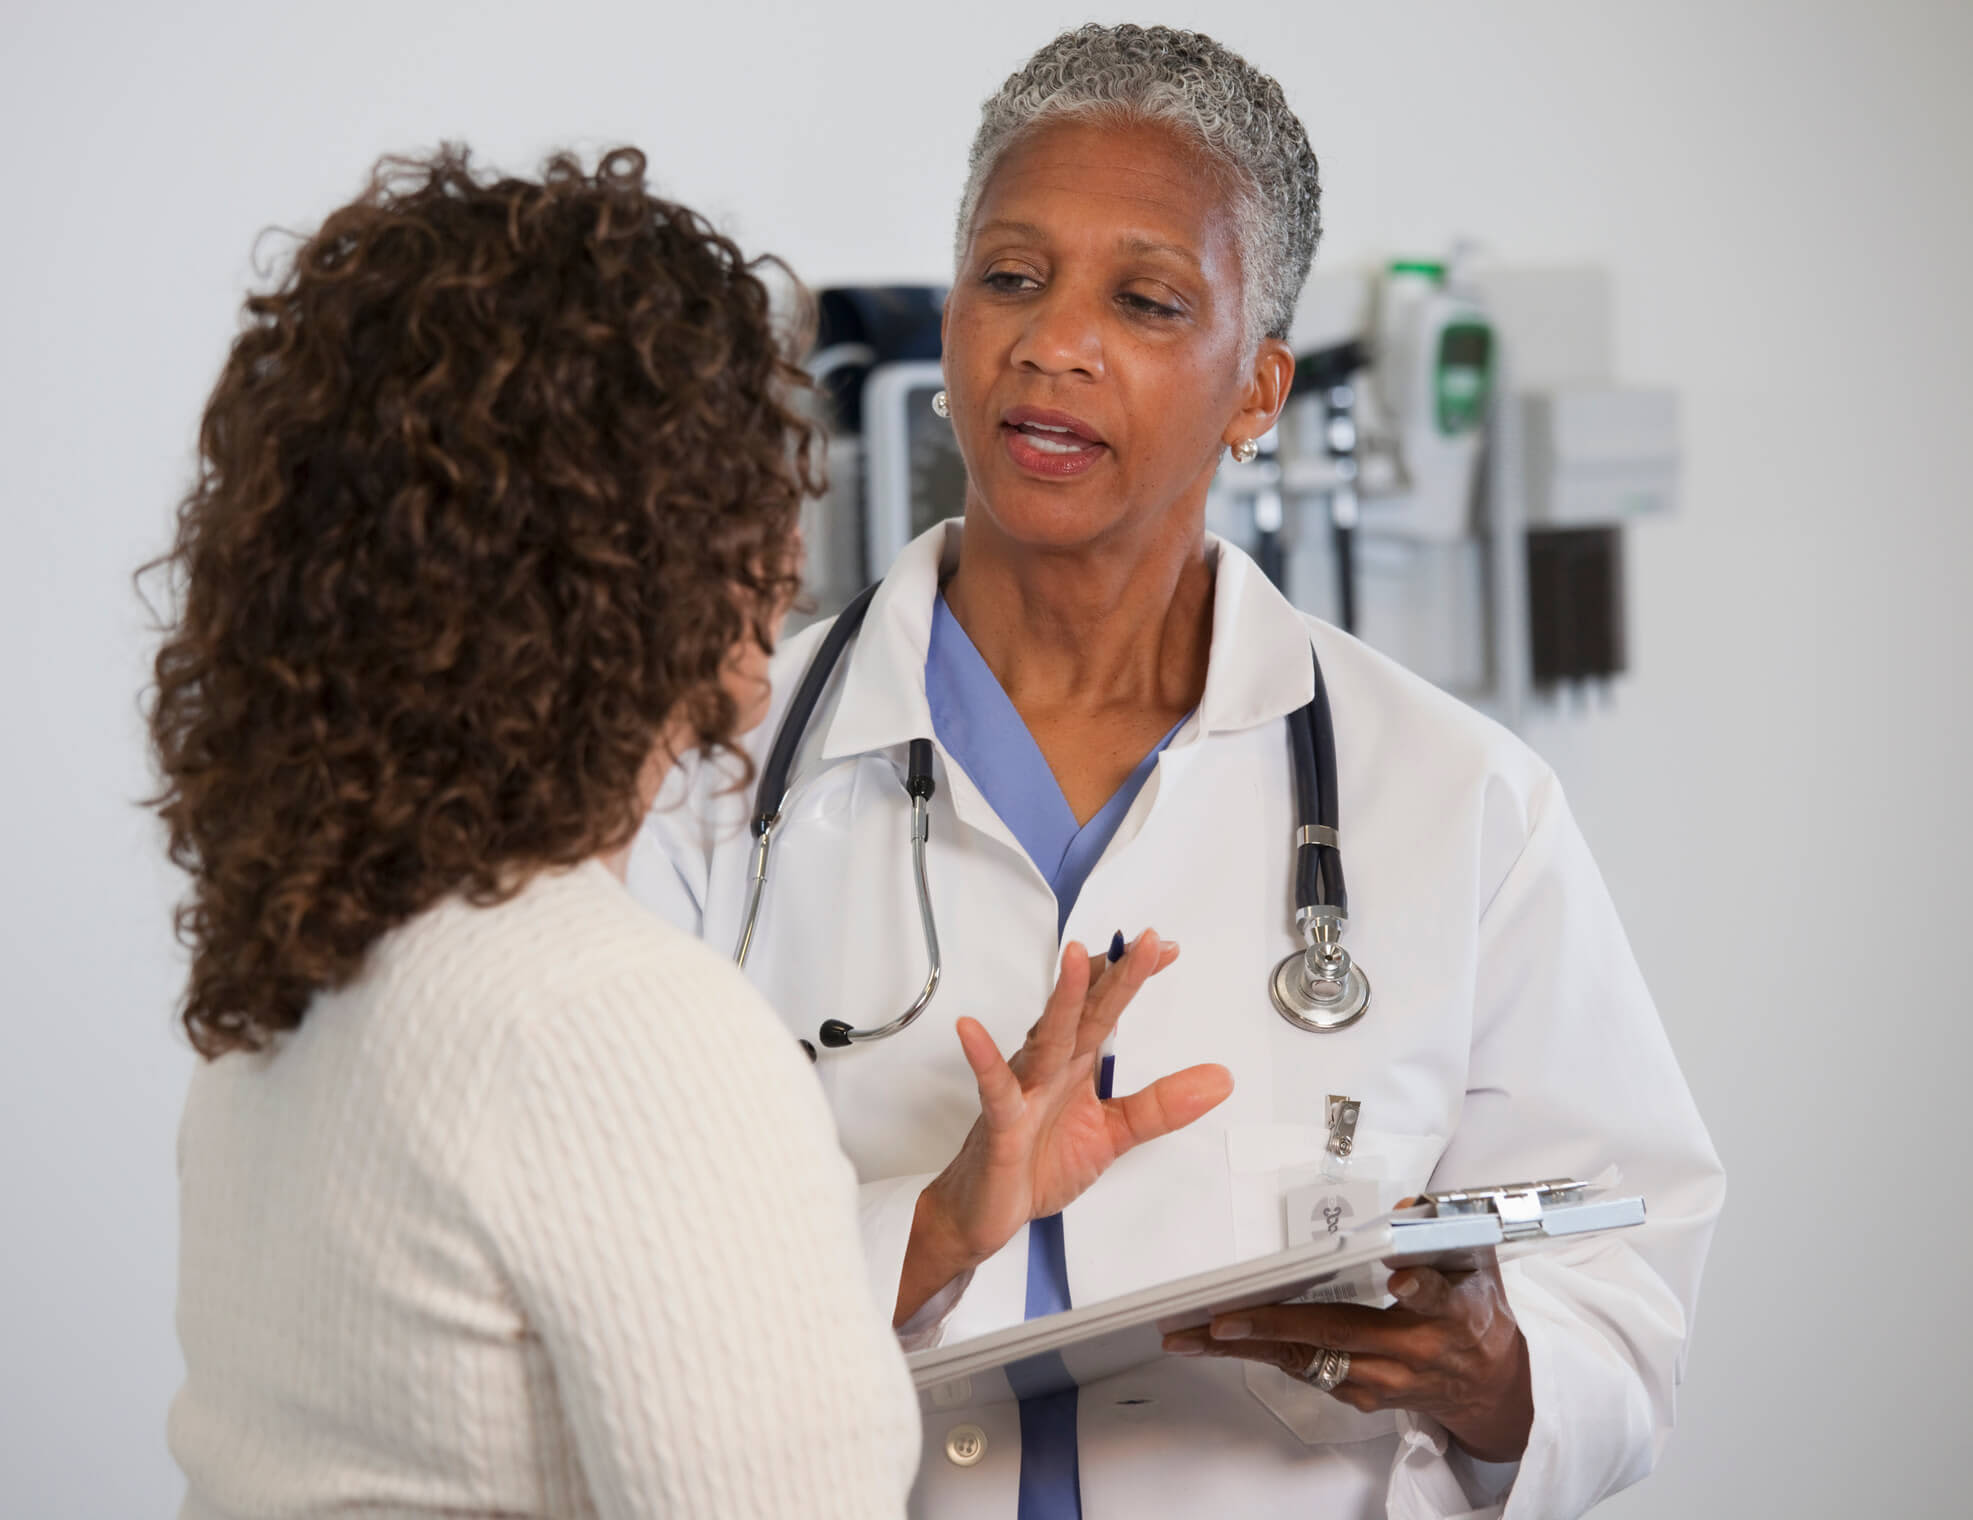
x,y
1343,1115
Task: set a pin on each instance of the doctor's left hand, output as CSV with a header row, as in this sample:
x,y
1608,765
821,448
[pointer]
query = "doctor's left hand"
x,y
1449,1349
1043,1135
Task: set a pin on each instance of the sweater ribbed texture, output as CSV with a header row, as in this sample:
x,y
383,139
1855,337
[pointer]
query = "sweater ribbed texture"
x,y
542,1215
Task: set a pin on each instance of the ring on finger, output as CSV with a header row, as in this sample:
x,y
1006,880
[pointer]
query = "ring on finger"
x,y
1326,1370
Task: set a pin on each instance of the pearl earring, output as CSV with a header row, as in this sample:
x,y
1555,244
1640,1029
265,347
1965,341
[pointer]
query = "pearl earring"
x,y
940,404
1245,450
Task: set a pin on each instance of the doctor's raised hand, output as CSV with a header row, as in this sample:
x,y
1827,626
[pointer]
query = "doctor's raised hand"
x,y
1044,1135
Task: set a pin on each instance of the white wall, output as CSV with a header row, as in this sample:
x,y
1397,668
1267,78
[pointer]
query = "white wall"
x,y
1778,797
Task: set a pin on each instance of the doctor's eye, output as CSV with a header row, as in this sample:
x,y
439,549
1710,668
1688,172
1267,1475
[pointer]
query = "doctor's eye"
x,y
1144,306
1009,281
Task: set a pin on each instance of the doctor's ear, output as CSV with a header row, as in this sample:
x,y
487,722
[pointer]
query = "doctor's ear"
x,y
1266,392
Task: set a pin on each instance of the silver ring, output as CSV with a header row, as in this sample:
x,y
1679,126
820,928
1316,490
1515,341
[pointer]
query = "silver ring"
x,y
1327,1370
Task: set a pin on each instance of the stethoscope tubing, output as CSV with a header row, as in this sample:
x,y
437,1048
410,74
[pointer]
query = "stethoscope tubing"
x,y
1321,896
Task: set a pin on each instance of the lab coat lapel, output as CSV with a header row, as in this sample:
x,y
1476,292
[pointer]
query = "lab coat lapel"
x,y
883,693
882,704
1260,667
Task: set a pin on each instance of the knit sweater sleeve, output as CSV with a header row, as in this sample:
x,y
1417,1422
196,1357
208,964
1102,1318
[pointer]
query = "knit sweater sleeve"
x,y
661,1181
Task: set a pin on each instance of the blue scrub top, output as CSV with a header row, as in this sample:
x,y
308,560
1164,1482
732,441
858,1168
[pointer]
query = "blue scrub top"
x,y
979,728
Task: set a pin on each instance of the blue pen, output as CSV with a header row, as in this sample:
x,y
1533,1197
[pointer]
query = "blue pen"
x,y
1106,1066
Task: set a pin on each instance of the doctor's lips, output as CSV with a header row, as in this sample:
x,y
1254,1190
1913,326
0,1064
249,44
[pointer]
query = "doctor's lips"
x,y
1055,444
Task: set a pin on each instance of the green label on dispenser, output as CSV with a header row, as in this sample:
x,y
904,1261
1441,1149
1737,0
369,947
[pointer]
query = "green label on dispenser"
x,y
1463,376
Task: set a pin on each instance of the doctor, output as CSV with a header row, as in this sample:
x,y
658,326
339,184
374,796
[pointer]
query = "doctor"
x,y
1105,689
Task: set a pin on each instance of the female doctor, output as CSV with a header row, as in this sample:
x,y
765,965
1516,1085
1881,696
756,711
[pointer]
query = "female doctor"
x,y
1105,689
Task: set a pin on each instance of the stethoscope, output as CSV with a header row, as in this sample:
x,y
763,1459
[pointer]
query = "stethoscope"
x,y
1318,988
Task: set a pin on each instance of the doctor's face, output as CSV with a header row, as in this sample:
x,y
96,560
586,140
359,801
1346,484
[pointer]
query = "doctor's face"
x,y
1093,339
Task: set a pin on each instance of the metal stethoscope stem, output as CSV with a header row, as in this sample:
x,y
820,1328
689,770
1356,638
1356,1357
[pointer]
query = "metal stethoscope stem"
x,y
756,884
918,784
835,1033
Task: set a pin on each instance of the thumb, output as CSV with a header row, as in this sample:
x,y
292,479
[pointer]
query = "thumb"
x,y
1168,1104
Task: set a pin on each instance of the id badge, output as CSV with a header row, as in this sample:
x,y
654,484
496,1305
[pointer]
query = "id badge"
x,y
1328,1206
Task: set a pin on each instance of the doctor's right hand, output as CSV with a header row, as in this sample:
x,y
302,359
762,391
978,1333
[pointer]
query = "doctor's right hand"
x,y
1043,1135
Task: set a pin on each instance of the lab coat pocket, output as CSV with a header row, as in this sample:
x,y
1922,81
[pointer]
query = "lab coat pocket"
x,y
1273,1163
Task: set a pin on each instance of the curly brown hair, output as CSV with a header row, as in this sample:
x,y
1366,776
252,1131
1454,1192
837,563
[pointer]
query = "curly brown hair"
x,y
496,479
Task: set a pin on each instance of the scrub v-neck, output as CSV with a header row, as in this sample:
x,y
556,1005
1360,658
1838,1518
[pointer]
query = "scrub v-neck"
x,y
978,725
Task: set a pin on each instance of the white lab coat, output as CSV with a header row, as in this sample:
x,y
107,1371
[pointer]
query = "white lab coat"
x,y
1510,1037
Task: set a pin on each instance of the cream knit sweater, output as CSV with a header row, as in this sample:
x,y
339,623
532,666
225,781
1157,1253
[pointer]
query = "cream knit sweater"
x,y
543,1215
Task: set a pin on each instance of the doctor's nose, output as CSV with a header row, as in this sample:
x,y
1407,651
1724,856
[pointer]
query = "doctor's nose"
x,y
1062,336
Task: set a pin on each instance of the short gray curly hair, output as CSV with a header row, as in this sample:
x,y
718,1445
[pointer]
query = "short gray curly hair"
x,y
1187,81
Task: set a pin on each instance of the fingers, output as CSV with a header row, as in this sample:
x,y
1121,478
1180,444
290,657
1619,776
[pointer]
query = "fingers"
x,y
1422,1290
1374,1382
1391,1333
1168,1104
1090,995
1111,986
1377,1382
1292,1357
1167,953
1001,1100
1054,1039
1111,993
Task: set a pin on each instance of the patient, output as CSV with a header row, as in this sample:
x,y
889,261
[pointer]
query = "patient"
x,y
498,1196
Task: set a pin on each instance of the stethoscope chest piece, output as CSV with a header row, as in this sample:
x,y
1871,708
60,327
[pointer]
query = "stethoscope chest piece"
x,y
1319,993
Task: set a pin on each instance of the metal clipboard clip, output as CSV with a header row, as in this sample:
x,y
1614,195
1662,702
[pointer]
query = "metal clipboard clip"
x,y
1521,1207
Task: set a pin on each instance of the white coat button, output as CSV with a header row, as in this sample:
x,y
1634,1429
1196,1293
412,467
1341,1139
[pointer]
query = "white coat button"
x,y
965,1445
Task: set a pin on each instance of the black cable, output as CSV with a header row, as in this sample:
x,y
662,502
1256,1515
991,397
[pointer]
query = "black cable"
x,y
1324,734
794,723
1312,756
1301,758
1344,539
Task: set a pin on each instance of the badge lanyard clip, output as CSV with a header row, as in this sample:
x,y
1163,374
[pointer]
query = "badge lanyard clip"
x,y
1342,1118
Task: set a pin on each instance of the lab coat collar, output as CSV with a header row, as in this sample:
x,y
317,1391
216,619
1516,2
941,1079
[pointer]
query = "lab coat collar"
x,y
1259,670
1262,666
883,701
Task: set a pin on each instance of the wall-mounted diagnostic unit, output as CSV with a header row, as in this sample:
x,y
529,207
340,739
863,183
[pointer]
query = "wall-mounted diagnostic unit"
x,y
1452,474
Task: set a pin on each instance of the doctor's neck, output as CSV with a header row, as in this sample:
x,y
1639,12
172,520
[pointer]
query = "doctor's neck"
x,y
650,781
1121,620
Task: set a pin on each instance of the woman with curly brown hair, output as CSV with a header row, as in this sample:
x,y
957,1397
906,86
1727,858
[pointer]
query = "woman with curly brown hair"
x,y
498,1195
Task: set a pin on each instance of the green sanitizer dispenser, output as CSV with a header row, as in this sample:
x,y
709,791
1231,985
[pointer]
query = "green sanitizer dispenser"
x,y
1434,375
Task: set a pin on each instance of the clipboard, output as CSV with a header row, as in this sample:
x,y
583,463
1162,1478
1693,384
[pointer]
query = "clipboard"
x,y
1452,1231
